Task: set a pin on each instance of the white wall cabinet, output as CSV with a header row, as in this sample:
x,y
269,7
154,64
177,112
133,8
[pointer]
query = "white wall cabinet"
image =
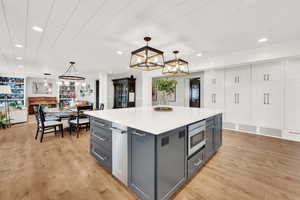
x,y
267,95
18,116
214,89
292,98
237,95
259,98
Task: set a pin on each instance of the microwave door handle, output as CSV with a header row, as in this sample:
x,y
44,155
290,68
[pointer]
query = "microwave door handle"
x,y
197,164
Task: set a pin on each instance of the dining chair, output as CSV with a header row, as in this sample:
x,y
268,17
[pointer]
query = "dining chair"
x,y
36,109
101,106
44,126
80,120
37,117
49,117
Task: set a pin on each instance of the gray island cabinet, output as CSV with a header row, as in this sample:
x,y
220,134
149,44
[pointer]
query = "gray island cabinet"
x,y
160,151
157,163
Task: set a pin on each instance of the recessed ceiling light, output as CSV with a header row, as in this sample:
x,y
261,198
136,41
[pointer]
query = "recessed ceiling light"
x,y
19,58
199,54
21,66
262,40
38,29
119,52
18,45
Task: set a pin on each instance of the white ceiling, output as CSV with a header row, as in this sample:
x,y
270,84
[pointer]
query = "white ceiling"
x,y
91,31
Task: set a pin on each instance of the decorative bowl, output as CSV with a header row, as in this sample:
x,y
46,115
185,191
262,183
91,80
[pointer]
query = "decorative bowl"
x,y
163,109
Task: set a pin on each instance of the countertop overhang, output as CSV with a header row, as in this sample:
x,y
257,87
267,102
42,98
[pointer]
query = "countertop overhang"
x,y
155,122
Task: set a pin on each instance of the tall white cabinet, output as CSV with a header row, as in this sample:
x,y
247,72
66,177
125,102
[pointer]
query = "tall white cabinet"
x,y
237,95
214,89
267,97
259,98
292,99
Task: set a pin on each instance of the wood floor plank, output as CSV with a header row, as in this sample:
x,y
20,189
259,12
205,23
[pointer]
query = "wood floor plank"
x,y
247,167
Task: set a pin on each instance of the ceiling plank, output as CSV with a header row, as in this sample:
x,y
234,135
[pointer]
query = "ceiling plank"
x,y
50,12
4,15
66,23
90,18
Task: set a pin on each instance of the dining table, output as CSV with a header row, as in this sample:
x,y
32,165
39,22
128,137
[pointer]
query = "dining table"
x,y
61,113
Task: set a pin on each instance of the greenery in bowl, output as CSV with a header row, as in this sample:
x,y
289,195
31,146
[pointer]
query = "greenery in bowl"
x,y
166,85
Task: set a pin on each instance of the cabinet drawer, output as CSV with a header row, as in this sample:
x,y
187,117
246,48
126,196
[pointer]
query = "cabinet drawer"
x,y
195,163
210,121
101,123
103,141
102,156
101,131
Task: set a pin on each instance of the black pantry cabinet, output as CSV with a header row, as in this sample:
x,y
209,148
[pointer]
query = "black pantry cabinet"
x,y
124,92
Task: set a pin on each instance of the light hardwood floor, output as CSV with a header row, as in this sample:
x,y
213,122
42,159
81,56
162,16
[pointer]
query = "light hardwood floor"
x,y
246,167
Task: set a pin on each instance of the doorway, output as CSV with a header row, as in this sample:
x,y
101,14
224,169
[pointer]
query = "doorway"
x,y
195,91
97,94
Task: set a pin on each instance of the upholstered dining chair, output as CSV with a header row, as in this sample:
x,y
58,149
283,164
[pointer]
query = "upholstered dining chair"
x,y
49,117
101,106
44,126
81,120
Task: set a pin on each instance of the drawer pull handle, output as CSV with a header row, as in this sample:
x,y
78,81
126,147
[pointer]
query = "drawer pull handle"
x,y
100,138
100,124
118,130
197,164
139,134
101,157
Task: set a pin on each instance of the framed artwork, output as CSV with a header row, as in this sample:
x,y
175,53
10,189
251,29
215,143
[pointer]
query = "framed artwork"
x,y
86,91
41,87
171,96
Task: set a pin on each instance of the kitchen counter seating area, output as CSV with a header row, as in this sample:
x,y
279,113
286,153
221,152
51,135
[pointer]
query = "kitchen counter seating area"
x,y
155,153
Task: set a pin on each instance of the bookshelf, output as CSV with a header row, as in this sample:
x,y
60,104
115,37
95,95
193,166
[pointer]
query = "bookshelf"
x,y
17,88
67,93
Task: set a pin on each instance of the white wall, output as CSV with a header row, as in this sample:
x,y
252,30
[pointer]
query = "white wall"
x,y
91,97
138,87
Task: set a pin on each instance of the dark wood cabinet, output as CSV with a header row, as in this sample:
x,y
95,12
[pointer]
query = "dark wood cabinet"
x,y
124,92
35,101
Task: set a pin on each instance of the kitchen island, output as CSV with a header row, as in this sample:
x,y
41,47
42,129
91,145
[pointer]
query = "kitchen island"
x,y
154,153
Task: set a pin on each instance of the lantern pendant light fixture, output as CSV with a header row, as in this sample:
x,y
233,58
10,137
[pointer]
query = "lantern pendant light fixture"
x,y
71,74
147,58
176,66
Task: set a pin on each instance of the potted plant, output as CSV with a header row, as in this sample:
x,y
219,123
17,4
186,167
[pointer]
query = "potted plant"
x,y
2,121
164,88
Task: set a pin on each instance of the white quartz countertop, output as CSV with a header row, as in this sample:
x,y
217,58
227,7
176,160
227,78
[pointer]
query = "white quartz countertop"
x,y
148,120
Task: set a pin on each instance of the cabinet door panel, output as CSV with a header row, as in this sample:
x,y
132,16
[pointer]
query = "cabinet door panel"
x,y
267,95
214,89
267,72
141,164
237,95
292,69
218,133
171,151
209,146
292,105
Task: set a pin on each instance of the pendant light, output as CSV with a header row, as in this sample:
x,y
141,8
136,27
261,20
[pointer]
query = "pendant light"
x,y
176,66
147,58
71,74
